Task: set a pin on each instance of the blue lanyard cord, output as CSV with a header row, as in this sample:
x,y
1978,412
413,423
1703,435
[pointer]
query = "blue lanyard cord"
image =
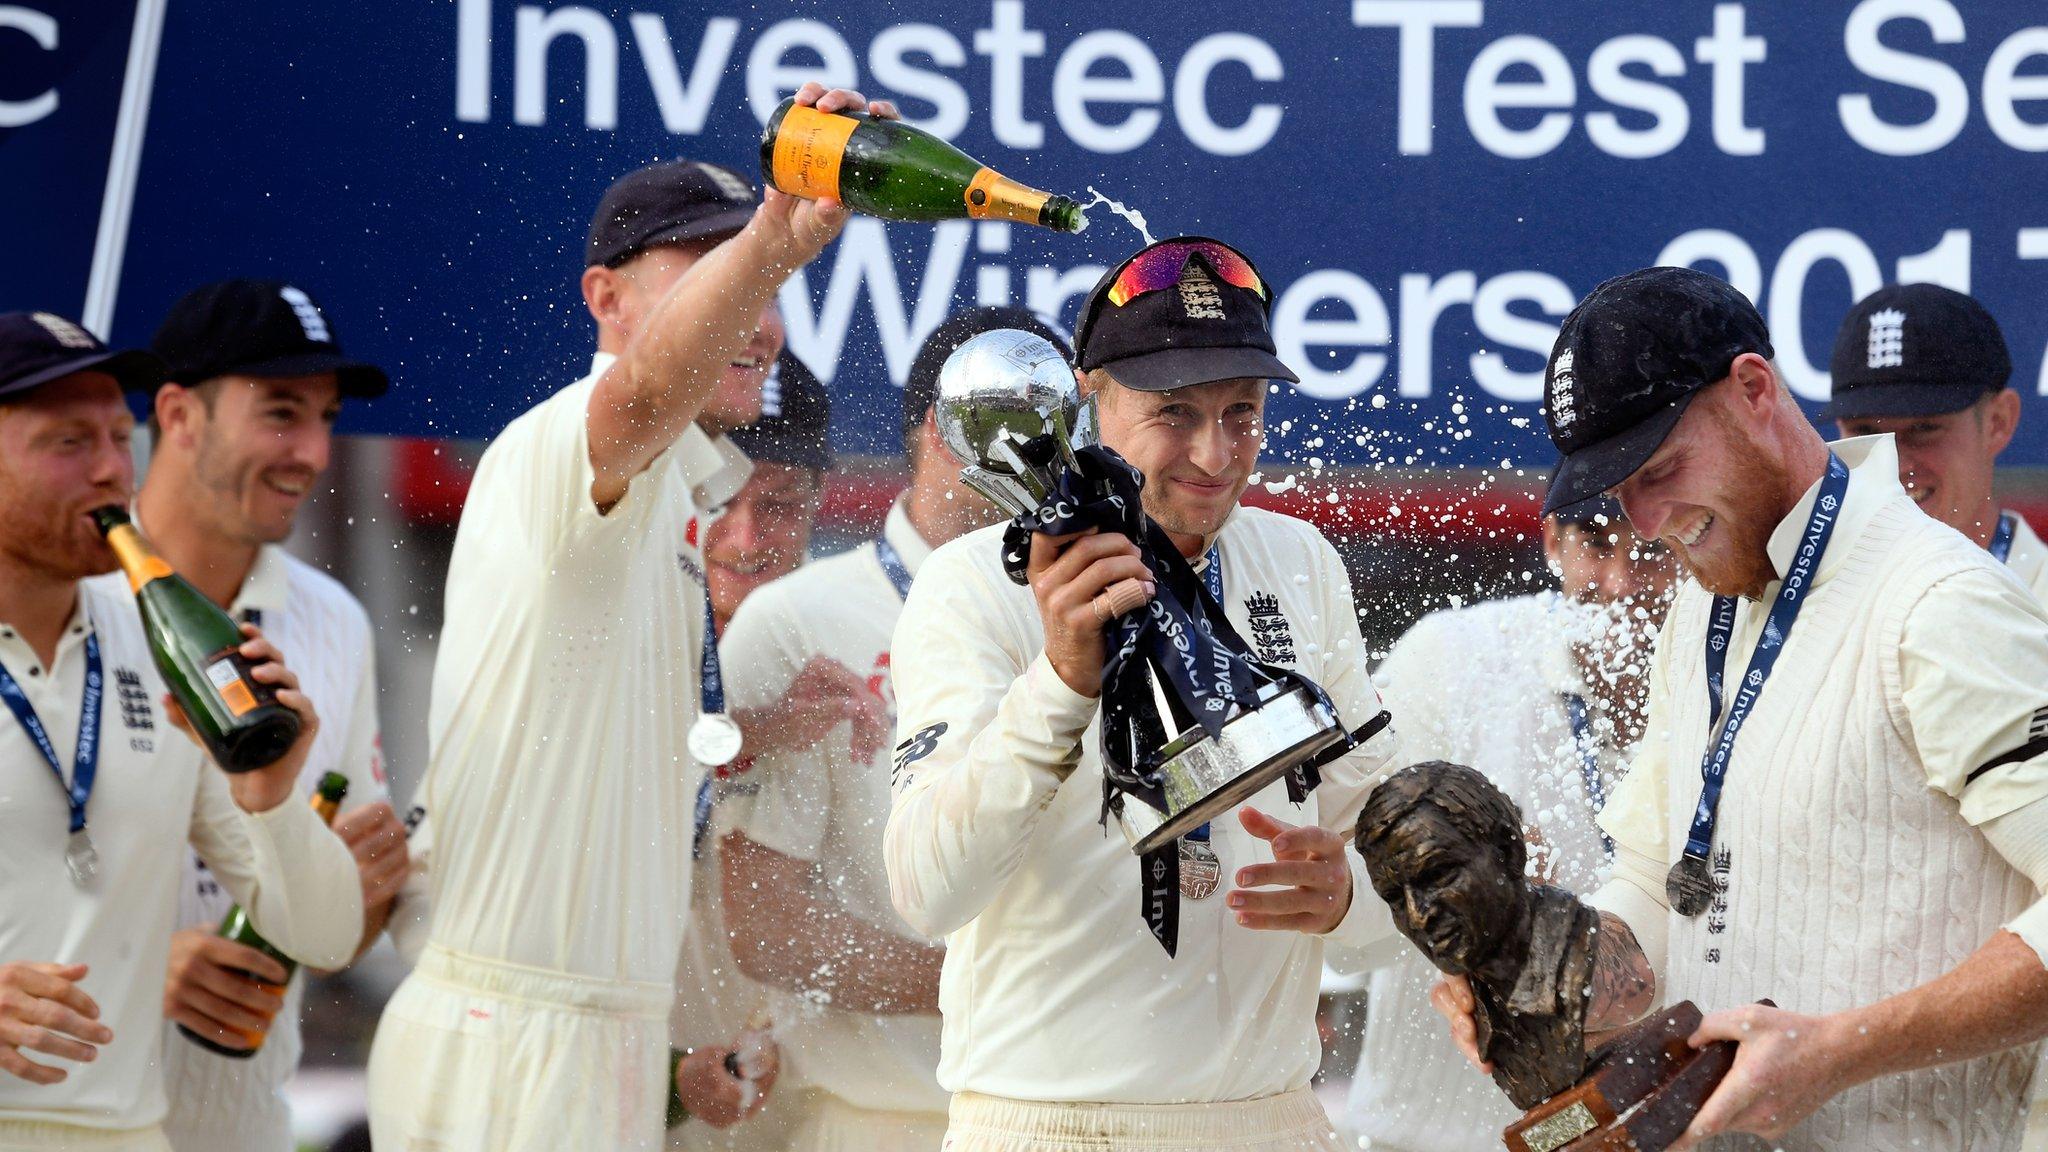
x,y
711,695
1212,579
2001,540
1820,528
1588,750
85,764
893,567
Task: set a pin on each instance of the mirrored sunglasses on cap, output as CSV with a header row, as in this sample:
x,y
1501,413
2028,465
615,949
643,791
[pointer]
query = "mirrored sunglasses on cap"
x,y
1160,267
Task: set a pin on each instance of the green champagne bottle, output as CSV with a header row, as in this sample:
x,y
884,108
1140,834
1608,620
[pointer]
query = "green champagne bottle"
x,y
197,649
236,926
889,169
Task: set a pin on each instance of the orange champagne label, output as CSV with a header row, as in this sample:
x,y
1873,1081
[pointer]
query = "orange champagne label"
x,y
234,690
994,196
808,149
141,564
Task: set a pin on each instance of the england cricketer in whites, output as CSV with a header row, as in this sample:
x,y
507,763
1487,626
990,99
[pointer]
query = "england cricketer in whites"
x,y
1065,1024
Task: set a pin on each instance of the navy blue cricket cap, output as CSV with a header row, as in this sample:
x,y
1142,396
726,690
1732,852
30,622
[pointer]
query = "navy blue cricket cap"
x,y
921,387
795,426
1915,350
668,203
1206,329
1628,362
38,347
261,328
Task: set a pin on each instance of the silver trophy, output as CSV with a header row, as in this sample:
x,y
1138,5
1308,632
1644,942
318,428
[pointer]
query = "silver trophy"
x,y
998,394
1008,398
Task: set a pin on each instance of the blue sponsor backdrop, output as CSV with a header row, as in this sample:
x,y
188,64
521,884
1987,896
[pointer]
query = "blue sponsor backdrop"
x,y
1428,184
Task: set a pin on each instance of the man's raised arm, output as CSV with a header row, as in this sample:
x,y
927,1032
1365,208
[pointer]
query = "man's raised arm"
x,y
674,360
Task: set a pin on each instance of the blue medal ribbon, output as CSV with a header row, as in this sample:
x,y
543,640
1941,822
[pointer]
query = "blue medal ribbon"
x,y
1689,885
1588,749
2001,540
711,700
893,567
85,764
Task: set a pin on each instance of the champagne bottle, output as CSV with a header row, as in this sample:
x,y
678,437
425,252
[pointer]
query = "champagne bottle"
x,y
236,926
197,649
889,169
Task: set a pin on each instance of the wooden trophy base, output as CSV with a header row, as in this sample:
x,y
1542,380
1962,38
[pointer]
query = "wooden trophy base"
x,y
1640,1091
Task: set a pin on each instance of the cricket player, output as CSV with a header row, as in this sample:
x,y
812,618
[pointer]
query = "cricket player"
x,y
1544,694
728,1063
1065,1024
1928,366
244,425
1841,798
561,789
806,896
103,802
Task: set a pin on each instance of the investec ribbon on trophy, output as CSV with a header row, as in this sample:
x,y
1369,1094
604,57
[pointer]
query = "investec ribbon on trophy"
x,y
1193,724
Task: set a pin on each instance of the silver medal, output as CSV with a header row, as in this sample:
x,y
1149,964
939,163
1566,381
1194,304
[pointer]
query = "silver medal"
x,y
1201,872
1689,886
714,740
81,858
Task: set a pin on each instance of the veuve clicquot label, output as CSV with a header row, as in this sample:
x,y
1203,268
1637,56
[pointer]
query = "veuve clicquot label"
x,y
237,927
889,169
197,648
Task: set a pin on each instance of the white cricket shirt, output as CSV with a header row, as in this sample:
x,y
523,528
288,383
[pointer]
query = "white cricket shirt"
x,y
219,1104
1053,988
1848,858
558,788
151,799
1483,686
822,806
2028,559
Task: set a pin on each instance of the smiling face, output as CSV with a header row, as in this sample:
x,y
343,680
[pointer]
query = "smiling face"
x,y
1197,447
63,452
1712,493
1946,461
762,535
253,447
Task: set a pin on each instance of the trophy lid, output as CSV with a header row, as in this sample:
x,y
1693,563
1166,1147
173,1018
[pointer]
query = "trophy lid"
x,y
1005,387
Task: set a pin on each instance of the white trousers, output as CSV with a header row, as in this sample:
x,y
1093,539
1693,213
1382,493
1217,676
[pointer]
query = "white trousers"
x,y
832,1125
1290,1122
39,1136
477,1055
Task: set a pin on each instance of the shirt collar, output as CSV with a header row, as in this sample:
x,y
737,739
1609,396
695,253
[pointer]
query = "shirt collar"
x,y
714,470
1559,667
20,657
266,588
903,536
1873,479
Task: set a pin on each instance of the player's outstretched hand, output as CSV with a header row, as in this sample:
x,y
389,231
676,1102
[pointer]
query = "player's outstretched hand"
x,y
1307,887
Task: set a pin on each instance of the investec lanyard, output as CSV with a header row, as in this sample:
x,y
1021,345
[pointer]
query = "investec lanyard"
x,y
2001,540
1588,749
1212,577
1690,885
711,701
893,567
79,855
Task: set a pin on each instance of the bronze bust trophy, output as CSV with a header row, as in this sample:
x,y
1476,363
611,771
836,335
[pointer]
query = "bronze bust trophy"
x,y
1444,849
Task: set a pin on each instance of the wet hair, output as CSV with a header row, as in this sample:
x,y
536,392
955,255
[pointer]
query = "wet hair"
x,y
1453,796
